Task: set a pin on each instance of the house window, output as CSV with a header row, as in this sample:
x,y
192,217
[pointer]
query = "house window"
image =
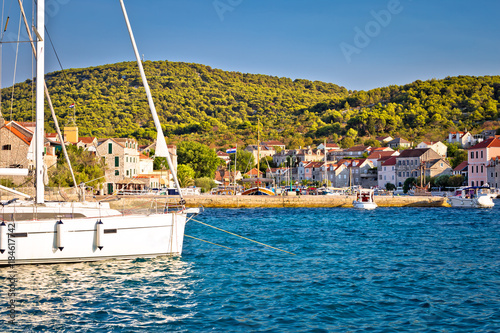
x,y
128,173
471,155
477,154
481,154
6,147
117,161
481,169
110,148
399,174
117,173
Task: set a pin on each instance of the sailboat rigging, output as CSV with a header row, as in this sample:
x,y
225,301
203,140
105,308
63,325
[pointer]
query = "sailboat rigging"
x,y
58,232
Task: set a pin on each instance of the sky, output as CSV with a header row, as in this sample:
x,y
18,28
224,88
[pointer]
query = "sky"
x,y
360,45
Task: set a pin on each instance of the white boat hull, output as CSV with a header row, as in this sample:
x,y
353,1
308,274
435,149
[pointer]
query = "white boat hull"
x,y
364,205
82,239
480,202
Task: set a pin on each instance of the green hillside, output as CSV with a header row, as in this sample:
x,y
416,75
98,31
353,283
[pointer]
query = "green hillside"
x,y
221,108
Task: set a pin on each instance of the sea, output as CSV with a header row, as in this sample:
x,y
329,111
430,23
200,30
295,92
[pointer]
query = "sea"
x,y
295,270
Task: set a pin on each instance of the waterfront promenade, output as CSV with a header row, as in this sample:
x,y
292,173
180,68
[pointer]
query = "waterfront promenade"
x,y
242,201
306,201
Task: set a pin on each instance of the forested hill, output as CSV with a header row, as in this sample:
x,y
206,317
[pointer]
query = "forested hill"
x,y
221,108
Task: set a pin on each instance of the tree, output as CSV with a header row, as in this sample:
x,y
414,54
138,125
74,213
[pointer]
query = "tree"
x,y
347,142
160,163
244,160
199,157
206,184
460,156
87,168
442,181
409,182
456,181
372,143
390,187
185,175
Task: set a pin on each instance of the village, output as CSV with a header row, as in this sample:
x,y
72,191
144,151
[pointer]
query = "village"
x,y
129,166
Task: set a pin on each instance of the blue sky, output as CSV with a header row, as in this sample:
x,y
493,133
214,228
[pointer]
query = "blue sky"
x,y
356,44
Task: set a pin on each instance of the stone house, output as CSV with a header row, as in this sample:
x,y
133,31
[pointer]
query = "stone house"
x,y
438,147
464,139
88,143
399,143
381,155
493,171
353,172
421,161
121,156
15,141
310,171
299,155
265,151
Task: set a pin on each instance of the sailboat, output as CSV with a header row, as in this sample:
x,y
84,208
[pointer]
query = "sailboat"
x,y
257,189
35,231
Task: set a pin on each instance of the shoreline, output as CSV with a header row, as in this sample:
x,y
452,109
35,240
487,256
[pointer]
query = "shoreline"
x,y
305,201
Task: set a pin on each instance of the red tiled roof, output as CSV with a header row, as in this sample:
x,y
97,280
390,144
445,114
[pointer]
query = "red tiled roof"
x,y
390,161
461,166
357,148
144,157
314,165
16,132
490,143
413,152
380,154
86,139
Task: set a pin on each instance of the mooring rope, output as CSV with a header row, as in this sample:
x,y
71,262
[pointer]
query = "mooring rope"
x,y
207,241
251,240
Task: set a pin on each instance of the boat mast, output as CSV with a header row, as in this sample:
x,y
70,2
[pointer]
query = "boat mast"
x,y
39,129
234,180
161,145
326,171
258,150
51,106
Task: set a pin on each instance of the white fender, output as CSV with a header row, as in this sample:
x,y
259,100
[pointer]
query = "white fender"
x,y
3,237
59,235
99,234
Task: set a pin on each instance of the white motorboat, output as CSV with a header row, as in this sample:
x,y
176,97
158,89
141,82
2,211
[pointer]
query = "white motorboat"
x,y
472,197
34,231
365,199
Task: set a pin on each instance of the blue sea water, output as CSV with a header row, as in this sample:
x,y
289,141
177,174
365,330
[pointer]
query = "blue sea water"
x,y
387,270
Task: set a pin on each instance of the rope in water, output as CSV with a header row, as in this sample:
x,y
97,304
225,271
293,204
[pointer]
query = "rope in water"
x,y
207,241
251,240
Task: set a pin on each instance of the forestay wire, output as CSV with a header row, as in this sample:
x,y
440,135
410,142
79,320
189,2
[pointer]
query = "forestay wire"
x,y
251,240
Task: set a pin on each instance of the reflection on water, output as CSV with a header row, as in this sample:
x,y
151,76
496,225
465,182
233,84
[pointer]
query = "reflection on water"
x,y
103,295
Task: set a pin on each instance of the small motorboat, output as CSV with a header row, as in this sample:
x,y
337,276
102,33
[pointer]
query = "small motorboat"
x,y
472,197
364,199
